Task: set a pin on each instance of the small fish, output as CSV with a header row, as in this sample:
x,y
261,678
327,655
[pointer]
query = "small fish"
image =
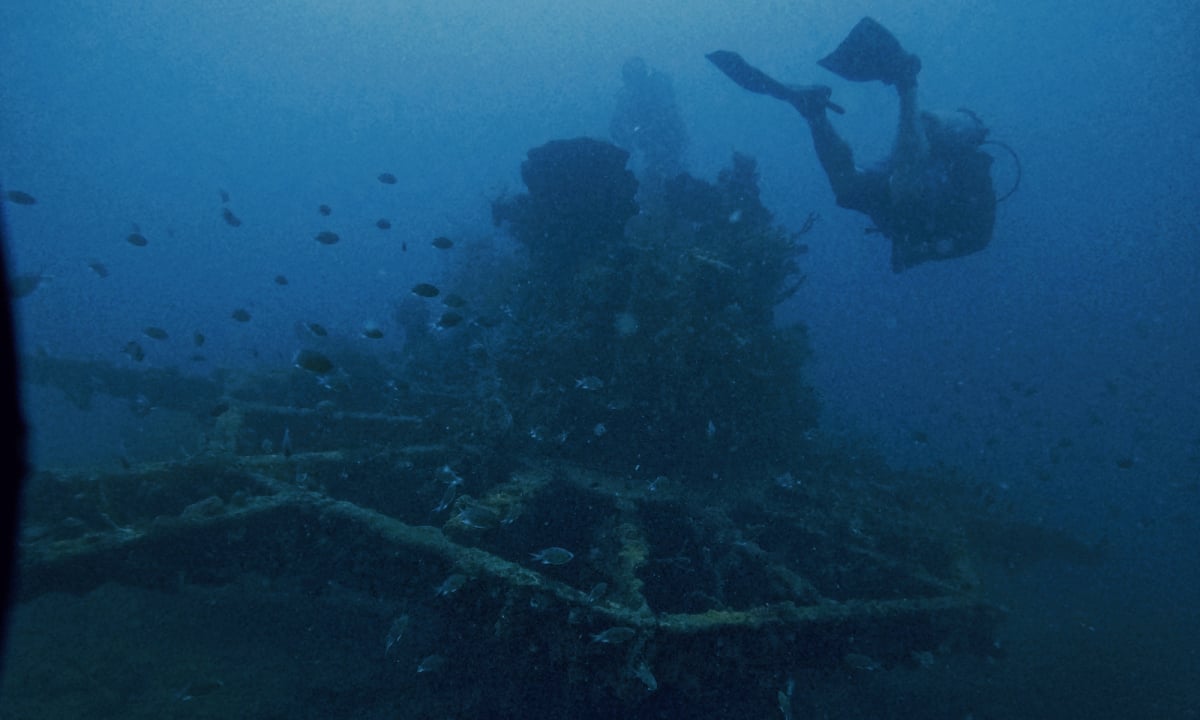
x,y
425,290
387,178
241,315
198,688
372,331
327,237
230,219
451,585
312,361
224,195
134,351
154,332
137,239
98,268
446,474
395,633
553,556
477,517
589,382
598,590
449,319
317,329
285,445
325,210
403,246
454,301
447,497
198,339
431,663
442,242
642,672
615,635
20,198
383,224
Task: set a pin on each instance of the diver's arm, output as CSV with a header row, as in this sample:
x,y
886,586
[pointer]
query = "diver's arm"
x,y
911,152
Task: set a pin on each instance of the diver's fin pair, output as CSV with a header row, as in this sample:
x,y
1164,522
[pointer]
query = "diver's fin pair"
x,y
870,52
808,99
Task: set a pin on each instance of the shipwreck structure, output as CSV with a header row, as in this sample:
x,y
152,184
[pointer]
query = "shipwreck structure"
x,y
635,406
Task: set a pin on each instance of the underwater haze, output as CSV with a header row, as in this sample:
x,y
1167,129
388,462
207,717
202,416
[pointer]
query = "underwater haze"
x,y
1058,369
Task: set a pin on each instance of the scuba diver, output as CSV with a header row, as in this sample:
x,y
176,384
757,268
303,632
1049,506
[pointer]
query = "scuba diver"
x,y
647,124
933,197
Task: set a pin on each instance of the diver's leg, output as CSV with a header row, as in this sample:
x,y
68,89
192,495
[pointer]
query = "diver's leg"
x,y
909,156
837,159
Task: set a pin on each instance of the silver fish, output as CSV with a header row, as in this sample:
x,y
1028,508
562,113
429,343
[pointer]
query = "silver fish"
x,y
553,556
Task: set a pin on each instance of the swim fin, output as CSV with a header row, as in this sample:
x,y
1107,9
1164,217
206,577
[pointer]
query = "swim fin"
x,y
871,52
748,76
808,99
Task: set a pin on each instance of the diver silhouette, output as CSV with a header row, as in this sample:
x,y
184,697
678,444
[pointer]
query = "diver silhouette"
x,y
933,197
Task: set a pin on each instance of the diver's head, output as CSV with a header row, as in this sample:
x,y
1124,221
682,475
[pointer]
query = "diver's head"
x,y
634,71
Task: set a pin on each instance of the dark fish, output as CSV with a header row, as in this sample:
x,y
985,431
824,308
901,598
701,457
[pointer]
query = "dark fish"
x,y
383,224
20,198
197,339
317,329
372,331
98,268
281,280
425,290
454,301
224,195
138,239
219,409
324,210
230,219
285,445
312,361
156,333
449,319
241,315
326,237
135,351
443,243
403,246
25,284
387,178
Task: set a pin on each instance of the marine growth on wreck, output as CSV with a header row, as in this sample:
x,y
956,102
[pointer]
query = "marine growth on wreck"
x,y
591,485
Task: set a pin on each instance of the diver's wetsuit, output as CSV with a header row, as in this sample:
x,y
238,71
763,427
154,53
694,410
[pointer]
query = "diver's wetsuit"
x,y
934,197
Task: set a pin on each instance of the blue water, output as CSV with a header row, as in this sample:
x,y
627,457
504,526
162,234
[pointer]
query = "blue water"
x,y
1061,366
